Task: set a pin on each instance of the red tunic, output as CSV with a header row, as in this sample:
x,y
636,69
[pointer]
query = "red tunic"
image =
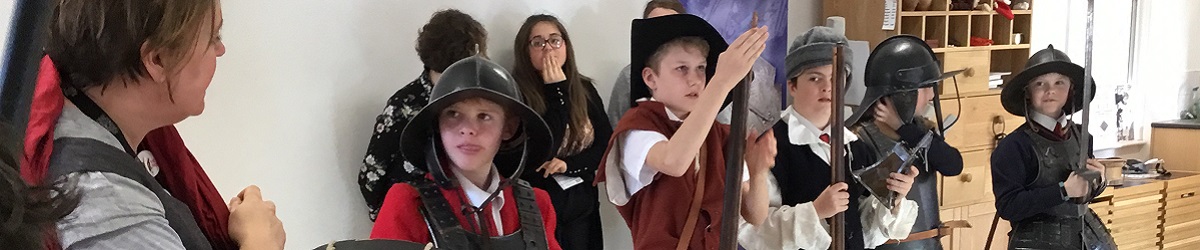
x,y
400,217
656,214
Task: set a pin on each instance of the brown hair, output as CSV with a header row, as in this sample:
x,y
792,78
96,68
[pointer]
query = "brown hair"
x,y
27,212
663,4
579,129
93,42
450,36
687,43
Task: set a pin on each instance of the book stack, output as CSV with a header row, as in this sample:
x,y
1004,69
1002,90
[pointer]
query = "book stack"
x,y
996,79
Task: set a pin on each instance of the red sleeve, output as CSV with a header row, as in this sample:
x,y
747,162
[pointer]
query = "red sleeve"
x,y
548,217
400,218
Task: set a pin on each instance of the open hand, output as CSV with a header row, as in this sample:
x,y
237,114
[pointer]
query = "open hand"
x,y
736,61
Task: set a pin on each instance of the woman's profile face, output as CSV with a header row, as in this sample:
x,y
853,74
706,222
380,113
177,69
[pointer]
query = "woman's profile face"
x,y
191,83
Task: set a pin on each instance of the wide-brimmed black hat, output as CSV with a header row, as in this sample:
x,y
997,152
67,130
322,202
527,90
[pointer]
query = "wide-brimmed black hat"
x,y
474,77
898,65
1048,60
651,33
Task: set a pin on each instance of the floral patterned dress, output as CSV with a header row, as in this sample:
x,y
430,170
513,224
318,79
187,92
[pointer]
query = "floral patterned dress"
x,y
383,165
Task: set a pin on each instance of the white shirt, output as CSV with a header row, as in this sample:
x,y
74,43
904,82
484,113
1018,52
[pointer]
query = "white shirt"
x,y
629,153
799,227
1046,122
477,195
802,132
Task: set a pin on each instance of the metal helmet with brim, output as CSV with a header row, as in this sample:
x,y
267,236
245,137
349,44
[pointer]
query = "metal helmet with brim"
x,y
474,77
1014,97
896,69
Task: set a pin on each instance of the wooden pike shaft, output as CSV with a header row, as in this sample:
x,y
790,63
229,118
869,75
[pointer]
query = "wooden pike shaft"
x,y
837,163
735,148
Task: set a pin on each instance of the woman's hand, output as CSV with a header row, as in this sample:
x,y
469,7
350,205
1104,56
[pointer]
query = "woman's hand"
x,y
252,221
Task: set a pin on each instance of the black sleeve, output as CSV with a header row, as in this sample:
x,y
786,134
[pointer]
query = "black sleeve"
x,y
383,164
1091,155
584,164
941,156
1011,170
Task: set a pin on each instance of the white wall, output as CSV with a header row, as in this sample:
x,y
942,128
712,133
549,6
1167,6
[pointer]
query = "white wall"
x,y
295,98
6,12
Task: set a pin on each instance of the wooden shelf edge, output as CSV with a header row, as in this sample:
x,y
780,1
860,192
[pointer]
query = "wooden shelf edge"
x,y
960,13
979,48
949,95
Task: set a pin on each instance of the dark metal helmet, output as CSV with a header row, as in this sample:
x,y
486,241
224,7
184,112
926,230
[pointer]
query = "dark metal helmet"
x,y
474,77
896,69
1048,60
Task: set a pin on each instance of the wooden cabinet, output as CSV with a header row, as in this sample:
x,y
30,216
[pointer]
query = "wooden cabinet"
x,y
1135,216
1175,142
978,63
1182,215
970,187
1153,214
980,217
980,119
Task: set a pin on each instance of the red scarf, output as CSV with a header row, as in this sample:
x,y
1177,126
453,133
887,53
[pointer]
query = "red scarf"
x,y
179,173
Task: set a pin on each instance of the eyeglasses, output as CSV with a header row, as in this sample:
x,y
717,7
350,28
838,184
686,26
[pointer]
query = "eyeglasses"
x,y
554,42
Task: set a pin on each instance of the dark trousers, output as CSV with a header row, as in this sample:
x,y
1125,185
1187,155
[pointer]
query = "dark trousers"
x,y
578,214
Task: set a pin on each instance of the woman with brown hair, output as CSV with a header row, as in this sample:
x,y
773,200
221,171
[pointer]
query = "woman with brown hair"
x,y
129,70
551,84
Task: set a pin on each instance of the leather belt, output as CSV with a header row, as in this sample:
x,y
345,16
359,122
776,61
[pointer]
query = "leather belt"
x,y
946,229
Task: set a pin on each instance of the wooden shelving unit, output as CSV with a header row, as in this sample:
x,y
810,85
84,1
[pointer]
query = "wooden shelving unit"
x,y
980,116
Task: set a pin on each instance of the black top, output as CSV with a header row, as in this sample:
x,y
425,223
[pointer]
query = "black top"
x,y
557,116
802,175
942,157
1014,167
383,165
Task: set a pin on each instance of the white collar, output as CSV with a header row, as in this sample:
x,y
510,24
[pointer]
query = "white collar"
x,y
801,131
474,193
670,115
1046,122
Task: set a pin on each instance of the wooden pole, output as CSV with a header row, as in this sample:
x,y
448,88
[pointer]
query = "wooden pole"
x,y
837,162
735,149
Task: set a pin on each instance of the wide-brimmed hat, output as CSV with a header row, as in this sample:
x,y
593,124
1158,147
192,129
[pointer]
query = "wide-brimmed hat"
x,y
474,77
1048,60
651,33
